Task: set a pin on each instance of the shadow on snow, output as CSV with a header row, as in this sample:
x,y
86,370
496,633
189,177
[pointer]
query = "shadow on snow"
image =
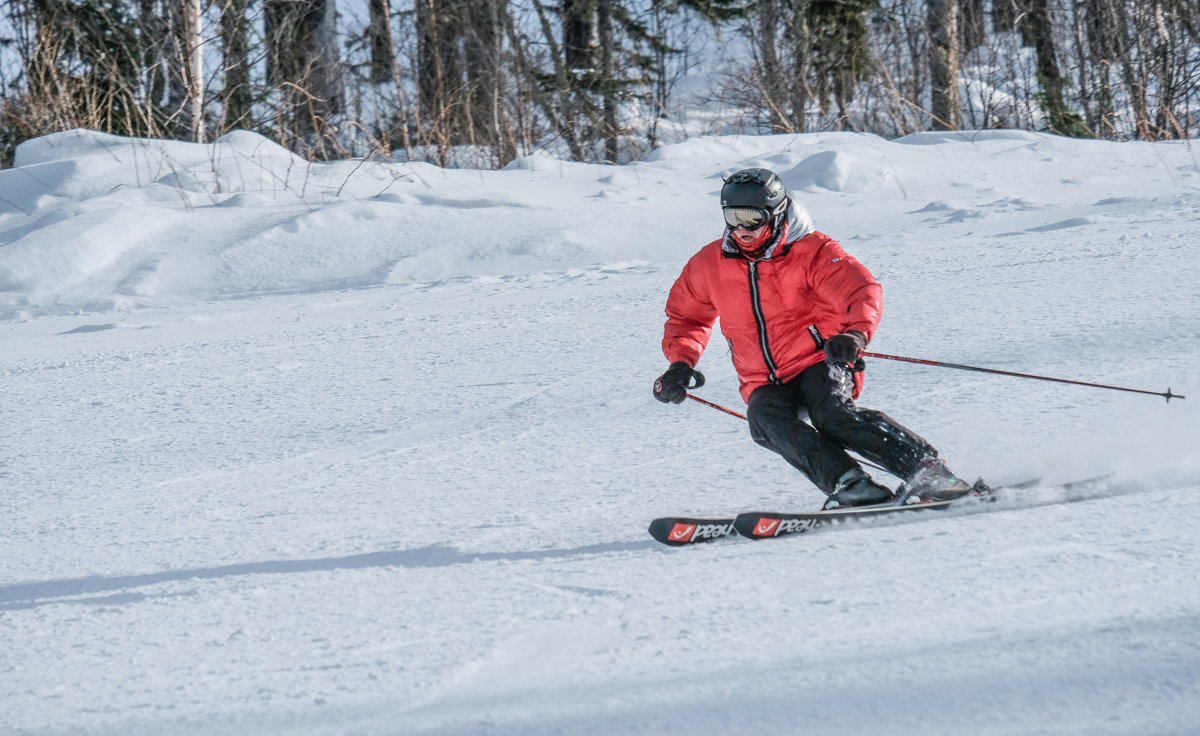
x,y
30,595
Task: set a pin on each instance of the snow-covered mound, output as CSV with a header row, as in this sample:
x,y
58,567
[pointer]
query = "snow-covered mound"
x,y
95,222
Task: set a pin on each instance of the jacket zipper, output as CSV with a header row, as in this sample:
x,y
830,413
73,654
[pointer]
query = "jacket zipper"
x,y
756,307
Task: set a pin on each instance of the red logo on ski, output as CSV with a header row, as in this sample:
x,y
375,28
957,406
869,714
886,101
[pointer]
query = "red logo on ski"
x,y
766,527
682,532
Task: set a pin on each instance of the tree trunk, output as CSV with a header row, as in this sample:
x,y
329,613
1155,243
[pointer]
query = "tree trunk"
x,y
303,62
840,53
972,29
581,36
154,46
41,66
1168,50
186,69
800,41
772,80
611,127
581,45
237,95
1008,16
439,73
943,63
1041,37
557,106
193,47
484,64
379,35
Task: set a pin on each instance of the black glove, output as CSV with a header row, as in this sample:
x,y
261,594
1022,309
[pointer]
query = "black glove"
x,y
845,349
671,387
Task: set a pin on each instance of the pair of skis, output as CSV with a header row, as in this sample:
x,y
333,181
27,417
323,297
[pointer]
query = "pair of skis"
x,y
678,531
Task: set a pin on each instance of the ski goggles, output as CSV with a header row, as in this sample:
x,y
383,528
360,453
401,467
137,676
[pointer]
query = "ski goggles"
x,y
750,218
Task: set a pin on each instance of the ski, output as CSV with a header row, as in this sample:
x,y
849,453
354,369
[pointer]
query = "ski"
x,y
678,531
768,525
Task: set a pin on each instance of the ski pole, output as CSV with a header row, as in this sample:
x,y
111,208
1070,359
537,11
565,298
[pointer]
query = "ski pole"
x,y
941,364
718,407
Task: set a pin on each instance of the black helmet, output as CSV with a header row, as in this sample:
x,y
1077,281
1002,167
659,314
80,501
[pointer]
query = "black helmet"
x,y
758,189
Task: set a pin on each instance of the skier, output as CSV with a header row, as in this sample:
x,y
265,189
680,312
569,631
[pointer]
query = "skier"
x,y
797,312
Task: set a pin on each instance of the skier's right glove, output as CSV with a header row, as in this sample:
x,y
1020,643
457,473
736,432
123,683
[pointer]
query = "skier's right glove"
x,y
671,387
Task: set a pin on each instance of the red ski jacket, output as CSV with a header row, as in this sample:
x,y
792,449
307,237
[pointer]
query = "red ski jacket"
x,y
775,311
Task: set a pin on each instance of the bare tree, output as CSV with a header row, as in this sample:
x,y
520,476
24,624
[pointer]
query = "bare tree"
x,y
972,26
237,95
840,54
303,64
800,40
1008,15
943,64
609,85
462,80
187,66
442,75
1040,34
379,34
484,65
82,66
581,61
772,81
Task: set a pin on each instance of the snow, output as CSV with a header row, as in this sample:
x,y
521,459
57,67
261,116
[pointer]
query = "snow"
x,y
370,448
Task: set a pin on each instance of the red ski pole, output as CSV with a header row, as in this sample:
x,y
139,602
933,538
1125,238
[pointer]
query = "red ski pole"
x,y
718,407
941,364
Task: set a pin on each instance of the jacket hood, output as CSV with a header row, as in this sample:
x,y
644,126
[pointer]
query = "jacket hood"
x,y
798,223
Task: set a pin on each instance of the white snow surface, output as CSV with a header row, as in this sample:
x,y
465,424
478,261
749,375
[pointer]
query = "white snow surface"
x,y
365,448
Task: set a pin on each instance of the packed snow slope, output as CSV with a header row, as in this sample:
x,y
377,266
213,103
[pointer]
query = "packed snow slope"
x,y
364,448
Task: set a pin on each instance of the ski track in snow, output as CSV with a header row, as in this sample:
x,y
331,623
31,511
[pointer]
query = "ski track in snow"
x,y
250,488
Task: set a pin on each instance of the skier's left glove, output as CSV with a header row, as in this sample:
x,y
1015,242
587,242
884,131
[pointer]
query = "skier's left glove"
x,y
846,348
671,387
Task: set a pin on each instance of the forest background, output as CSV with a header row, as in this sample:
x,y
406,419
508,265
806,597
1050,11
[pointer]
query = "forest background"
x,y
479,83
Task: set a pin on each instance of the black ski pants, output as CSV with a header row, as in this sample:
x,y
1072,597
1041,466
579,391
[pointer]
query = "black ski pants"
x,y
822,394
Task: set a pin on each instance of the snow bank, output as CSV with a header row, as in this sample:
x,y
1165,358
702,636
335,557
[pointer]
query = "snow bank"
x,y
95,222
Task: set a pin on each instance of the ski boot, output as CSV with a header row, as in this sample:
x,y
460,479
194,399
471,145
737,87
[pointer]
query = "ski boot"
x,y
856,488
933,481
